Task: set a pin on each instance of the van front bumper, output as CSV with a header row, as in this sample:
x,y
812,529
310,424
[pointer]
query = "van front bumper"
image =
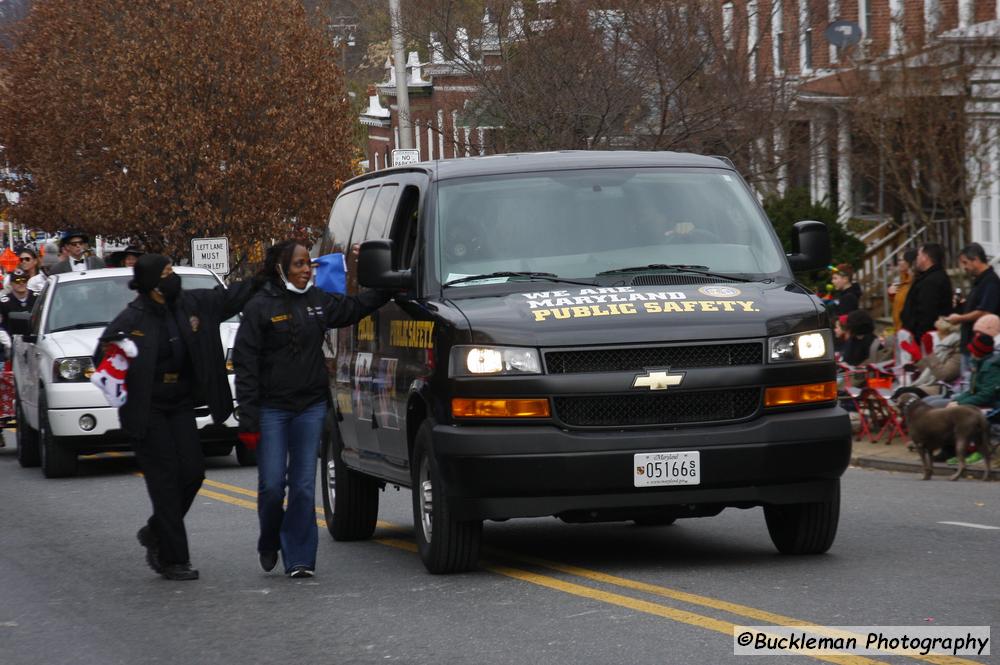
x,y
496,472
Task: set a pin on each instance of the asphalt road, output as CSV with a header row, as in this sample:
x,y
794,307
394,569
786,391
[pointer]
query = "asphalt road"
x,y
74,587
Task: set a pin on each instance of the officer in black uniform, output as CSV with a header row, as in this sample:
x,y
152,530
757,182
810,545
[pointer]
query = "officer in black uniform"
x,y
20,299
179,365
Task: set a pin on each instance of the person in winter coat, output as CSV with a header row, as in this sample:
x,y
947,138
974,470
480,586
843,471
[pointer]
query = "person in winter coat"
x,y
898,290
163,357
862,346
944,365
283,390
848,293
930,294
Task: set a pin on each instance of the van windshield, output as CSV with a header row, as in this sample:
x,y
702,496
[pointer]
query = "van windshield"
x,y
577,224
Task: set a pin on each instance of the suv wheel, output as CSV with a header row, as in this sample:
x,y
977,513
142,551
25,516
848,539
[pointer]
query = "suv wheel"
x,y
350,499
28,453
446,545
804,528
58,460
245,456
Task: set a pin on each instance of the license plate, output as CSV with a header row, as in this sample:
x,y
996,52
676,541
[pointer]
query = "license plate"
x,y
659,469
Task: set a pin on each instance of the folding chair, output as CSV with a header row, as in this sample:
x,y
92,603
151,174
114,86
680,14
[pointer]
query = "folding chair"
x,y
877,408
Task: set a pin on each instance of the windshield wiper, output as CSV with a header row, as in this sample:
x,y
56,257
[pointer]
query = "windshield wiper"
x,y
548,276
676,267
81,326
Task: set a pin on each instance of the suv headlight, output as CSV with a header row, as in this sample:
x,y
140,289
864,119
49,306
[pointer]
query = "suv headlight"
x,y
494,361
814,345
73,369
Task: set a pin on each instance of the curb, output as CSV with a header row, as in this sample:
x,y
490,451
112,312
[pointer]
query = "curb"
x,y
972,472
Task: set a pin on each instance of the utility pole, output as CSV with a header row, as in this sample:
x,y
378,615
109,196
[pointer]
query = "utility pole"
x,y
402,85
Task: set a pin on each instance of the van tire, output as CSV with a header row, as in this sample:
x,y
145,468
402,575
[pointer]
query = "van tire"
x,y
804,528
446,545
58,459
350,499
28,453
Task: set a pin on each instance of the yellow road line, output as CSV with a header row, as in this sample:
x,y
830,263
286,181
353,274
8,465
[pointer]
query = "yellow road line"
x,y
656,609
695,599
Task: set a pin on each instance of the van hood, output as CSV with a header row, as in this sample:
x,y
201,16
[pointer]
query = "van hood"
x,y
575,315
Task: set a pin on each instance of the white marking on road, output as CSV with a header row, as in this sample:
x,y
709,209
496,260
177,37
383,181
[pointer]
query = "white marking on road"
x,y
8,624
973,526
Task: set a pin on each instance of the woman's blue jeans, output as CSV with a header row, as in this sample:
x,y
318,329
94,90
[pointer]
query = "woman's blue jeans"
x,y
286,455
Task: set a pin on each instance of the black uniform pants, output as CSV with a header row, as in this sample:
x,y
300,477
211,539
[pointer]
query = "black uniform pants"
x,y
172,462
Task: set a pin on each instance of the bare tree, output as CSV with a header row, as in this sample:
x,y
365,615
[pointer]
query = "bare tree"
x,y
167,120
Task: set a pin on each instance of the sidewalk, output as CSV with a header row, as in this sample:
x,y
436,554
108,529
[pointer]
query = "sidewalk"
x,y
896,457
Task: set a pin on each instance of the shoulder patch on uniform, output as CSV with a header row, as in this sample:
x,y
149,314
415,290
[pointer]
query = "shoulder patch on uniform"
x,y
137,333
4,299
280,317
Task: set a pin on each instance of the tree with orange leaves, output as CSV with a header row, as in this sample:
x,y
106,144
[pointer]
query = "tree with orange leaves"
x,y
163,120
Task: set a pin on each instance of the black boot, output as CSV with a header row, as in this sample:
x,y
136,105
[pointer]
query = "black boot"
x,y
148,540
179,572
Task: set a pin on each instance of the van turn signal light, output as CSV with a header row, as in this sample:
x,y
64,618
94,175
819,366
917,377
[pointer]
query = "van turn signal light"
x,y
462,407
803,394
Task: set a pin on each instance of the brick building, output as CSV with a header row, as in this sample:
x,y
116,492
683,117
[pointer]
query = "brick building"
x,y
781,39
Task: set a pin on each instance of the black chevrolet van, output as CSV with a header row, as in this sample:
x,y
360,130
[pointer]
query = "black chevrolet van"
x,y
590,335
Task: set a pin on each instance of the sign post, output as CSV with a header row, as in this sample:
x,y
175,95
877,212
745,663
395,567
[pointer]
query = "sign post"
x,y
211,253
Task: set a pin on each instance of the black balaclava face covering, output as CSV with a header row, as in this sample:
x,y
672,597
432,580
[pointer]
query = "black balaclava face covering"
x,y
147,272
170,286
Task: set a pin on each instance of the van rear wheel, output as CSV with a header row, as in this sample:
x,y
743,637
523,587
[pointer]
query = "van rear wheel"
x,y
446,545
350,499
804,528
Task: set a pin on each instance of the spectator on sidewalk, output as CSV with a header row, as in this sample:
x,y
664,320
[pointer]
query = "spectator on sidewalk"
x,y
899,289
930,293
983,298
848,297
943,365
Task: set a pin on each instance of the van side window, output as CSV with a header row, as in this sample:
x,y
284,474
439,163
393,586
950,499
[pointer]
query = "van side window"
x,y
381,215
341,221
404,229
364,214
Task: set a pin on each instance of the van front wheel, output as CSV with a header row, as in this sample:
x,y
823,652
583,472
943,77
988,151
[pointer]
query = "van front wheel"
x,y
804,528
446,545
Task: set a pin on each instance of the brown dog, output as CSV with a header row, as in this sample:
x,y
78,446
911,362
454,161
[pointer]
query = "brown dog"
x,y
933,428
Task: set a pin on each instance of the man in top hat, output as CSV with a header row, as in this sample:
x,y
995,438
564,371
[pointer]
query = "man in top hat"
x,y
76,244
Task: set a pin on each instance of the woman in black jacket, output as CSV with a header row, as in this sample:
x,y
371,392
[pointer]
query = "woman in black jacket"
x,y
175,363
283,390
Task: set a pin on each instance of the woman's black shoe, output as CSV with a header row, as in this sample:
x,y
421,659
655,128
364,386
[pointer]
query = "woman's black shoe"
x,y
268,560
180,572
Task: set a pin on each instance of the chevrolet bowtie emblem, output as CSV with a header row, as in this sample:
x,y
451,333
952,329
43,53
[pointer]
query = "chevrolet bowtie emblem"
x,y
657,380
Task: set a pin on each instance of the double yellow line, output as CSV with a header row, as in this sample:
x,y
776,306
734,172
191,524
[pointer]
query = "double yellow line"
x,y
596,594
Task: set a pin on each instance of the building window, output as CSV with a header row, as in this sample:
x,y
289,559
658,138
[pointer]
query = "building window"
x,y
932,16
895,26
966,13
728,17
805,36
986,223
778,37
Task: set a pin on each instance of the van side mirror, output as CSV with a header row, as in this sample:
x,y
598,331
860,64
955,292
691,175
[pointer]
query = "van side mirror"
x,y
811,243
375,267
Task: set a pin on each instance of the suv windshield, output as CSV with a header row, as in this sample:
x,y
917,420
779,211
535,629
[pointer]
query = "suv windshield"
x,y
92,303
576,224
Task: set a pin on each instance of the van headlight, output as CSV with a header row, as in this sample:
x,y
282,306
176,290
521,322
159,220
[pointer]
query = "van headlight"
x,y
814,345
493,361
73,369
